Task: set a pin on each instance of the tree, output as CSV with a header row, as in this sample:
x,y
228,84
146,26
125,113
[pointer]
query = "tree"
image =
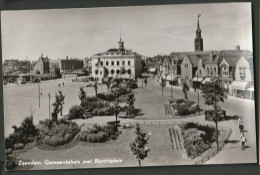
x,y
185,88
82,94
213,93
106,72
138,146
130,101
108,83
163,84
58,105
62,101
116,110
145,83
95,87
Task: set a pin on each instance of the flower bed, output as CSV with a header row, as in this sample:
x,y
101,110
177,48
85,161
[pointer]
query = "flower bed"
x,y
184,107
53,135
197,138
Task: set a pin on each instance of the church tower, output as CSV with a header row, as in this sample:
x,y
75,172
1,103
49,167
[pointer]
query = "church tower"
x,y
198,40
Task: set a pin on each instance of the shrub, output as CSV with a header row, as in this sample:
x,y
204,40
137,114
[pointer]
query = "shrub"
x,y
24,134
76,112
197,138
59,134
106,97
95,129
11,162
92,138
18,146
82,136
113,137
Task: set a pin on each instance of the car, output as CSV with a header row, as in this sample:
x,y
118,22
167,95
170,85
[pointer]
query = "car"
x,y
209,115
89,84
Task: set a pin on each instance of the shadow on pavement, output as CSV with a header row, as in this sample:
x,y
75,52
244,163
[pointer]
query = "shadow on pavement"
x,y
232,141
234,117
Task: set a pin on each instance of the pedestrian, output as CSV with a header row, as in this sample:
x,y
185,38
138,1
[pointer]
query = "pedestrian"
x,y
240,125
243,141
63,83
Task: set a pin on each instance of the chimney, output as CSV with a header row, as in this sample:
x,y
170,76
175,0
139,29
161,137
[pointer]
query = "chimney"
x,y
237,47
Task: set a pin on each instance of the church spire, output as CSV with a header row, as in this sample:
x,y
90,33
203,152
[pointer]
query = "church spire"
x,y
198,27
198,40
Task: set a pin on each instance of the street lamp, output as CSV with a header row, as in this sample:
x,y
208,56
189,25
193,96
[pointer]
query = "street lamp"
x,y
198,94
39,94
49,95
171,85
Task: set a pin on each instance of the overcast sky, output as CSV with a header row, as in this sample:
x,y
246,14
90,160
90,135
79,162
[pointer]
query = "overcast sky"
x,y
148,30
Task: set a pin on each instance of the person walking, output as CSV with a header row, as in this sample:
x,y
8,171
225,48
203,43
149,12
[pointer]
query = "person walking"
x,y
240,125
243,141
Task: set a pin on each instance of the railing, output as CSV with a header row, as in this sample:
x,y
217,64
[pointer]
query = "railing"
x,y
221,146
152,122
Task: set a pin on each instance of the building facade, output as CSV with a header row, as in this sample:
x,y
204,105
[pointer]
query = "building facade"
x,y
42,66
116,62
71,65
16,67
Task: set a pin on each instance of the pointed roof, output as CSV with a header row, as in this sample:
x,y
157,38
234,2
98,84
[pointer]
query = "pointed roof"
x,y
232,56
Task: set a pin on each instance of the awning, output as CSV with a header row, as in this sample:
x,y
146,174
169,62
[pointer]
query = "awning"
x,y
240,85
152,70
198,79
171,78
206,80
250,89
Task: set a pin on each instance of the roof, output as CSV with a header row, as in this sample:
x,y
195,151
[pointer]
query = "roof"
x,y
232,56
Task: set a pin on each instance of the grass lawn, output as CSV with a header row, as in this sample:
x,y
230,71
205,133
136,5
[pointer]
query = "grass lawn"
x,y
161,151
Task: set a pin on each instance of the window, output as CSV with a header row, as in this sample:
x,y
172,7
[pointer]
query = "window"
x,y
242,71
129,63
100,72
107,63
117,71
101,62
117,63
112,71
123,62
112,63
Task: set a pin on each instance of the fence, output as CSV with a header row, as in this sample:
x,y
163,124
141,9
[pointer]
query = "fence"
x,y
214,153
144,122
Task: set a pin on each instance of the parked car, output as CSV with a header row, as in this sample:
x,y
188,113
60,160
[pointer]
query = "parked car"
x,y
209,115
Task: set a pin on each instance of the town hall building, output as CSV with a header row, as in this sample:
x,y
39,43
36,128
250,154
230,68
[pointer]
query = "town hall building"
x,y
117,63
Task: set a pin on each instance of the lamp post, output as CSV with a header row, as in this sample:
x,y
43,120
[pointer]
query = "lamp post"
x,y
39,94
198,93
49,95
171,85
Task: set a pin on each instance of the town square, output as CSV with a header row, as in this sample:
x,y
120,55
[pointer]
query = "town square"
x,y
117,107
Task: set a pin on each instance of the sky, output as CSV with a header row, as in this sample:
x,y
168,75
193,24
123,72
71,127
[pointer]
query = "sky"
x,y
148,30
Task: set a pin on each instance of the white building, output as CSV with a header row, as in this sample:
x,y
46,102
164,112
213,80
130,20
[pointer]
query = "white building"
x,y
116,62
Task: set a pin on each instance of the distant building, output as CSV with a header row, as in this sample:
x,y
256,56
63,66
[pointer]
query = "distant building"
x,y
54,68
243,78
42,66
116,62
16,67
71,65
